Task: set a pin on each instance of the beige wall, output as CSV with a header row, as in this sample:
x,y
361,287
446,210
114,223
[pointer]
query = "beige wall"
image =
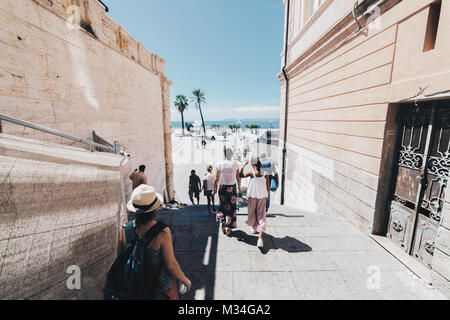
x,y
339,93
63,77
60,206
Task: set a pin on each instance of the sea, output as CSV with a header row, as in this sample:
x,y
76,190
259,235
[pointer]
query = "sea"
x,y
263,123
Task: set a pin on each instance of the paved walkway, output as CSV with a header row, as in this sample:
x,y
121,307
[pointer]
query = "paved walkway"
x,y
306,256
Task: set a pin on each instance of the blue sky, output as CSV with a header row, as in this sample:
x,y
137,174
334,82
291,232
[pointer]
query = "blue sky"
x,y
229,48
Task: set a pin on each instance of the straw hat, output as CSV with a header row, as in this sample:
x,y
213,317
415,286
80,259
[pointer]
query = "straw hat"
x,y
144,199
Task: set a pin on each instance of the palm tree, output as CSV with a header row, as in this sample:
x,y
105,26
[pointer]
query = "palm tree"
x,y
199,98
182,104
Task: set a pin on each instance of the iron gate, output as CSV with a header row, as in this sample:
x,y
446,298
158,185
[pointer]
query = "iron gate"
x,y
421,176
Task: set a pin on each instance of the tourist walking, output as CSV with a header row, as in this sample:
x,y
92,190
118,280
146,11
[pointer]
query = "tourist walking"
x,y
138,177
228,184
195,185
161,268
271,170
208,187
257,194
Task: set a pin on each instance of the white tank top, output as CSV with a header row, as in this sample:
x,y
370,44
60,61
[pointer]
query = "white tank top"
x,y
227,170
257,187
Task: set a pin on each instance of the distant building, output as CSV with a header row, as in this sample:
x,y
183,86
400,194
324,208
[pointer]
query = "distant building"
x,y
368,120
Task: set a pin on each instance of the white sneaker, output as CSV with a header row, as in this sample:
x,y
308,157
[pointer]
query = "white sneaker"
x,y
253,231
260,243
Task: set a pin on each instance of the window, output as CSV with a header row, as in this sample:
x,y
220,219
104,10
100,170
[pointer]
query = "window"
x,y
313,5
309,7
432,26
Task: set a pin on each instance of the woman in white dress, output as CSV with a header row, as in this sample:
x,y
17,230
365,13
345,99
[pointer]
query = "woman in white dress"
x,y
257,194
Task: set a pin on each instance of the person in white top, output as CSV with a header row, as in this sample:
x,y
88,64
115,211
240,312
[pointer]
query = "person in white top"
x,y
257,194
208,188
228,183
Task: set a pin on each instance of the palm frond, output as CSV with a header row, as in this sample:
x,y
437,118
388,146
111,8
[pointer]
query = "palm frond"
x,y
198,96
181,103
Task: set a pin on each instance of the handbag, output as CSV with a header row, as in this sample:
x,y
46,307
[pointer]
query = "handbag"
x,y
273,184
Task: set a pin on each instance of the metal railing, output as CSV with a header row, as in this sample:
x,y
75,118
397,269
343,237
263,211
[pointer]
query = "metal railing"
x,y
34,126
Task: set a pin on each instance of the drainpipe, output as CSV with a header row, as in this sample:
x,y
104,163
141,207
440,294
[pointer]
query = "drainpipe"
x,y
286,102
106,7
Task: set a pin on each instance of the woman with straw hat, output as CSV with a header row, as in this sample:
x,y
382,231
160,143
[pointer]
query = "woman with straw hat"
x,y
145,201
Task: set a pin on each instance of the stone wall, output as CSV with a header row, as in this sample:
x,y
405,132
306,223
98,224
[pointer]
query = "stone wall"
x,y
339,103
68,66
59,207
319,184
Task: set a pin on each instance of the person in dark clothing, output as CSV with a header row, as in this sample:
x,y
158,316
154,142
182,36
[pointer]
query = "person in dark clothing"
x,y
195,185
146,202
138,177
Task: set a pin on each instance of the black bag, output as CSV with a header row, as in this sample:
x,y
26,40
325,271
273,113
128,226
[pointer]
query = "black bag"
x,y
130,278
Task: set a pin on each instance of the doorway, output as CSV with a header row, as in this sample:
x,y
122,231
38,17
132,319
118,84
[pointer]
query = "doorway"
x,y
420,177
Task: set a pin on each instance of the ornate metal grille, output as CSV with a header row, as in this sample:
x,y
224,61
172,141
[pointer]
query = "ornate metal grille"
x,y
422,175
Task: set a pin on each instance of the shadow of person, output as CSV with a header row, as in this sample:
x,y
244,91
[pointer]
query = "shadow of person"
x,y
243,237
288,244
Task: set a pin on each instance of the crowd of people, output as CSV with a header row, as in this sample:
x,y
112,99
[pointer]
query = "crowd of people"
x,y
146,266
226,182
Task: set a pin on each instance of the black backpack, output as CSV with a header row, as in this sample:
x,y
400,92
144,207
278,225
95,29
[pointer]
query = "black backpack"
x,y
131,277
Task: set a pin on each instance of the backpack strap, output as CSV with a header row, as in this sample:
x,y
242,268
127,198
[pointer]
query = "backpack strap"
x,y
130,233
153,232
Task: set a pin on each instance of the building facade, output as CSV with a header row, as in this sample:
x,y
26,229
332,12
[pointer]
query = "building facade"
x,y
365,106
66,65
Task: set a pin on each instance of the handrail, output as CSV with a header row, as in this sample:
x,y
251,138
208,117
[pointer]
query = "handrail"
x,y
58,133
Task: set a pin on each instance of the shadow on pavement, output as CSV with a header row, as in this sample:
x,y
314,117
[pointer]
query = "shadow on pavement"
x,y
276,215
288,244
195,240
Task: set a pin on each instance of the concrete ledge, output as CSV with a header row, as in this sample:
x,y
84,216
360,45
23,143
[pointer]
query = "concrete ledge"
x,y
59,206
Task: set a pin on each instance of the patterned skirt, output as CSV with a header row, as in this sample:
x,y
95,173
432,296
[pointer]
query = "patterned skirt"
x,y
227,209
